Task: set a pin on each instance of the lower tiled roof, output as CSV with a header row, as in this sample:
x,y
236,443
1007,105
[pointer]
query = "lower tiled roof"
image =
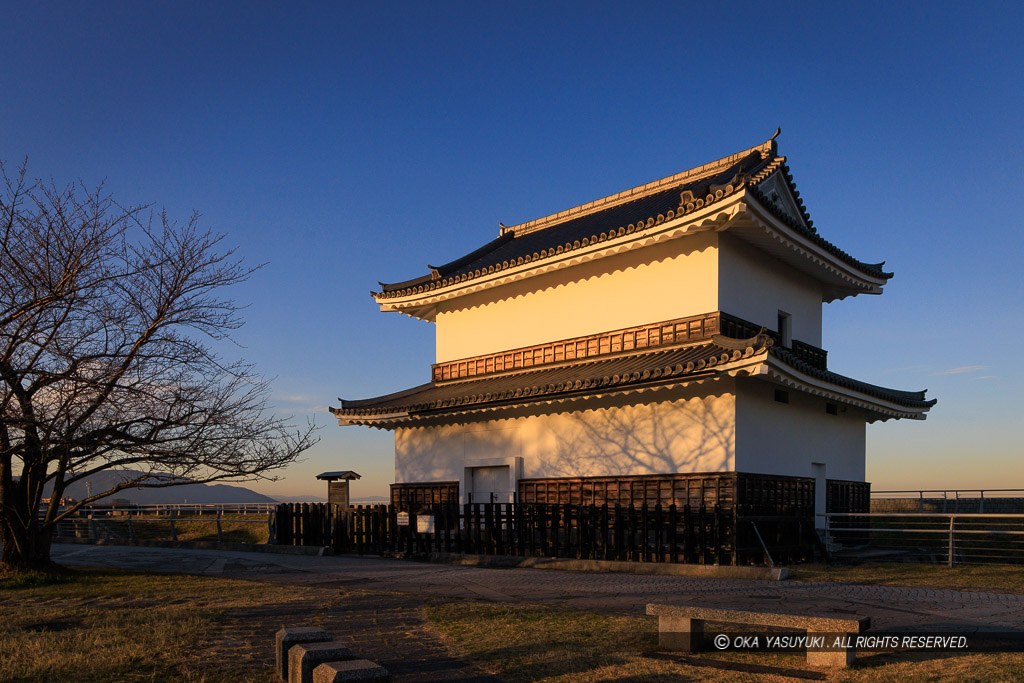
x,y
565,379
910,399
614,373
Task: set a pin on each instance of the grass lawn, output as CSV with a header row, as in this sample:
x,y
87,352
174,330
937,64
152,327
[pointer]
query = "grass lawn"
x,y
992,578
111,626
540,643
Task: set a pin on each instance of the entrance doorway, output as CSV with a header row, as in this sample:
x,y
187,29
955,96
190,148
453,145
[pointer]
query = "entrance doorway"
x,y
491,480
489,484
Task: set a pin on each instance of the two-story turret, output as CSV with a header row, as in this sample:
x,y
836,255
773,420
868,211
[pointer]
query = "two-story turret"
x,y
658,345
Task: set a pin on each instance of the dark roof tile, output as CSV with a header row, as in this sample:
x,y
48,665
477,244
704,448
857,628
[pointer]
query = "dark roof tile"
x,y
617,372
649,208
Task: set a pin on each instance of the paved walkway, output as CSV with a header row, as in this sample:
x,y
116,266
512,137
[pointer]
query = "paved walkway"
x,y
383,597
888,607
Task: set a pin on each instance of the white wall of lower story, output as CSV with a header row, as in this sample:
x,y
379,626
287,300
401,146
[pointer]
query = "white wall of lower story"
x,y
729,425
678,432
787,438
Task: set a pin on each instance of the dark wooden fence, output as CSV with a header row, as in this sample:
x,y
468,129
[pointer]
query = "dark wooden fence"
x,y
700,535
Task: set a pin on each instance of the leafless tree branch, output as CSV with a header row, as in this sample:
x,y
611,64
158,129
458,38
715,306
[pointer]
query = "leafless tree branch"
x,y
107,314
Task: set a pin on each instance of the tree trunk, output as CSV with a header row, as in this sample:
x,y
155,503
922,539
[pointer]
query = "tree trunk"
x,y
25,546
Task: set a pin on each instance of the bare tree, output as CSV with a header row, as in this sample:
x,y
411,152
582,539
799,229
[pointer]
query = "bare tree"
x,y
107,321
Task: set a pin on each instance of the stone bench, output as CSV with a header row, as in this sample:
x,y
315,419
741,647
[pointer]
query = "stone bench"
x,y
682,628
352,670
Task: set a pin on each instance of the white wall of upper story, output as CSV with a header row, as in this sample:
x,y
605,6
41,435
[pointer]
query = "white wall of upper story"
x,y
661,282
696,274
755,287
787,438
688,432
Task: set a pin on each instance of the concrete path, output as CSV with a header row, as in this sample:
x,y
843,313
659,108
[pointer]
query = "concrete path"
x,y
889,607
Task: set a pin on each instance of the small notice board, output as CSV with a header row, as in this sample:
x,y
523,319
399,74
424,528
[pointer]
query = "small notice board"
x,y
425,524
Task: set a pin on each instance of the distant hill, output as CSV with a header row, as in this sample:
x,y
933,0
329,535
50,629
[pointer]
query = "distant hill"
x,y
300,499
322,499
169,495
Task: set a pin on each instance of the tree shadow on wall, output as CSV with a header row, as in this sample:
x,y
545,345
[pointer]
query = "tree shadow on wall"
x,y
687,435
665,435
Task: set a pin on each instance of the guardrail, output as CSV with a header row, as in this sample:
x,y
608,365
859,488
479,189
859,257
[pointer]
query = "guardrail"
x,y
179,508
978,501
127,524
952,539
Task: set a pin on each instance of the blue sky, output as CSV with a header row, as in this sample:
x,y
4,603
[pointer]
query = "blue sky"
x,y
348,144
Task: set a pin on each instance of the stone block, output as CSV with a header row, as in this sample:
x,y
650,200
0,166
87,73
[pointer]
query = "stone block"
x,y
352,670
836,649
680,633
302,659
681,627
286,637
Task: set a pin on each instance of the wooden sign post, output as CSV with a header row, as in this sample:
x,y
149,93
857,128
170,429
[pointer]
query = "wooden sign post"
x,y
337,486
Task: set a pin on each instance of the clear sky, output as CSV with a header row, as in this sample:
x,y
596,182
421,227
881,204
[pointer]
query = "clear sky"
x,y
346,144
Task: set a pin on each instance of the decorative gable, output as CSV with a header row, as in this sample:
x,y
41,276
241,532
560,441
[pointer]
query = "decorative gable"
x,y
777,192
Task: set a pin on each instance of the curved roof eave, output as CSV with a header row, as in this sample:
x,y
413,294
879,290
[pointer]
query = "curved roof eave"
x,y
629,373
631,214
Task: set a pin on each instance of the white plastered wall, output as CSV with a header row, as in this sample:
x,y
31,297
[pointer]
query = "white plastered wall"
x,y
678,432
755,287
787,438
661,282
689,276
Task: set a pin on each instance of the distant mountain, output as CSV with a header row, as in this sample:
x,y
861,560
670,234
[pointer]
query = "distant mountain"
x,y
300,499
321,499
169,495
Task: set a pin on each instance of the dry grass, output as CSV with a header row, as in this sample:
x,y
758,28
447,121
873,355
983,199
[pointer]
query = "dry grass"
x,y
991,578
107,626
541,643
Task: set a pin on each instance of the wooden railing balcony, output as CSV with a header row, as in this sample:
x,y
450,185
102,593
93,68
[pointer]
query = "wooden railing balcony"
x,y
690,329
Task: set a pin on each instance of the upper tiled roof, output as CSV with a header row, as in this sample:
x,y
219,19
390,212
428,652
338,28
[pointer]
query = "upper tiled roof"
x,y
625,213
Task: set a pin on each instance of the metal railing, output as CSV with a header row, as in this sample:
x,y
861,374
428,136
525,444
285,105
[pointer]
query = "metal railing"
x,y
950,538
166,509
125,524
977,501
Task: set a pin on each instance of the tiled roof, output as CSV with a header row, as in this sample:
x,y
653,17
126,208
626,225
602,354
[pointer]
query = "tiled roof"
x,y
806,228
561,380
340,474
910,399
659,202
619,372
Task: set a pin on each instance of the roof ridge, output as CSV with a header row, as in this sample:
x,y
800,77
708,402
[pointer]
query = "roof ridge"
x,y
767,149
